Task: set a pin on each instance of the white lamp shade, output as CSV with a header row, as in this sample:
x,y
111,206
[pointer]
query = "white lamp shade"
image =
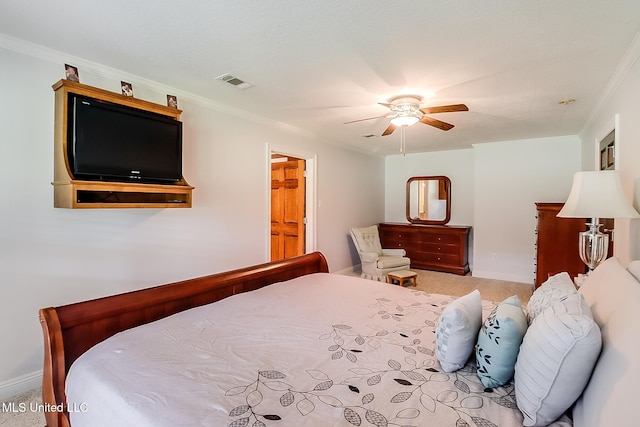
x,y
404,120
597,194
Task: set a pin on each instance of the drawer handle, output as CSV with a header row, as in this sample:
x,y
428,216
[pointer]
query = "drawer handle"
x,y
439,238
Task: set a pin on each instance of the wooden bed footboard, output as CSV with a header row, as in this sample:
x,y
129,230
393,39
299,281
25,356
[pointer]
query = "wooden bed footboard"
x,y
71,330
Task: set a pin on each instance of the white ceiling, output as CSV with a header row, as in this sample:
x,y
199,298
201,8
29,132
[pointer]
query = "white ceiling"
x,y
318,64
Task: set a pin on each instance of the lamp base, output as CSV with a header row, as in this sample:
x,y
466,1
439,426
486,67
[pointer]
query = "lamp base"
x,y
594,246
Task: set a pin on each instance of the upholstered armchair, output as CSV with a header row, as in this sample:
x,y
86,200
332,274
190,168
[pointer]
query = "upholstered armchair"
x,y
377,262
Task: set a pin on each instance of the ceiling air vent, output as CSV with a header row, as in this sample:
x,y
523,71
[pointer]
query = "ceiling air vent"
x,y
234,81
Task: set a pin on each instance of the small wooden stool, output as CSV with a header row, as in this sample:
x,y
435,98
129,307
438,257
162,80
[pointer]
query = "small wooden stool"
x,y
402,276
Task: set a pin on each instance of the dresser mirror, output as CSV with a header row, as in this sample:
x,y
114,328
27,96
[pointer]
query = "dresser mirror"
x,y
429,200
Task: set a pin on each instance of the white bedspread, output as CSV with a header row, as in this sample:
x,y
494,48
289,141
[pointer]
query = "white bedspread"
x,y
320,350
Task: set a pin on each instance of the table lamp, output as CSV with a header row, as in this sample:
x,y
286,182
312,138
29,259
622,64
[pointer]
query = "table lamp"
x,y
596,194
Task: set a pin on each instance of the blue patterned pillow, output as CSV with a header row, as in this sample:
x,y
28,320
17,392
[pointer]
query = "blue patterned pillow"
x,y
499,342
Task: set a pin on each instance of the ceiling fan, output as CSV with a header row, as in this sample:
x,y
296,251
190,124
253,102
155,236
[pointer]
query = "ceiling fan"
x,y
406,111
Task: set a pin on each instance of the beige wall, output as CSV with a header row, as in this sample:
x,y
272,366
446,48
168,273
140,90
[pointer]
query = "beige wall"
x,y
510,177
53,256
458,165
620,105
494,190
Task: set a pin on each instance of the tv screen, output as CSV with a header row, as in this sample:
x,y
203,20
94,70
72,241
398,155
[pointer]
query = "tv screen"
x,y
110,142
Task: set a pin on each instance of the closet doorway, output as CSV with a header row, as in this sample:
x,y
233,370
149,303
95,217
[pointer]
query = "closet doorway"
x,y
288,201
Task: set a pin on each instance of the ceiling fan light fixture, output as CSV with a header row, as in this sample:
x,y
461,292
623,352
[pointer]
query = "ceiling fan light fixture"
x,y
404,121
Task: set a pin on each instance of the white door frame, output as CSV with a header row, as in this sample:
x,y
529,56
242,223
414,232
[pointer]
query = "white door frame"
x,y
310,194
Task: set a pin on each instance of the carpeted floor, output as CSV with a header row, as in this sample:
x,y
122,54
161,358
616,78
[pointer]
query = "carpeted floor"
x,y
22,410
435,282
432,282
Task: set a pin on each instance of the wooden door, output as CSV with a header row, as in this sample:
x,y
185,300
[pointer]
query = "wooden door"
x,y
287,207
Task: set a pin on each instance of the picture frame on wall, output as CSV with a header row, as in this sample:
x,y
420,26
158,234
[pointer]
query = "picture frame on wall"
x,y
172,101
127,88
71,73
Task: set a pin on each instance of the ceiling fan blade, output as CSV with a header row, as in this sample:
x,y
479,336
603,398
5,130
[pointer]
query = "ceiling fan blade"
x,y
368,118
386,104
389,130
436,123
444,109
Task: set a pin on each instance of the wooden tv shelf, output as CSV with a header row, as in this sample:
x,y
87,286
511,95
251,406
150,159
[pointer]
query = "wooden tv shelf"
x,y
78,194
98,194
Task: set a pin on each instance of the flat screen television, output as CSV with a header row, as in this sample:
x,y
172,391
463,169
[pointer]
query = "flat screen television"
x,y
111,142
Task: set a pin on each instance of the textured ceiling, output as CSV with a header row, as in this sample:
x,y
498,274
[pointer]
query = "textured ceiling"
x,y
318,64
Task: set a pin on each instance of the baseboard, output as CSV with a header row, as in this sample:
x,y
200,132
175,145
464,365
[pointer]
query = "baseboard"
x,y
19,385
354,270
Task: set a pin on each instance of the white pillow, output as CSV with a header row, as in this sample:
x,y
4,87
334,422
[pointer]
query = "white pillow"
x,y
499,342
611,396
555,289
555,361
634,269
457,331
609,287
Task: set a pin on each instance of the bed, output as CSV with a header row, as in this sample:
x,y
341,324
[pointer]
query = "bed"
x,y
310,349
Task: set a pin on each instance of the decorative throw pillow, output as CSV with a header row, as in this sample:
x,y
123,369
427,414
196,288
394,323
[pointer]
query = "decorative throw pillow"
x,y
555,289
634,269
555,361
499,342
457,331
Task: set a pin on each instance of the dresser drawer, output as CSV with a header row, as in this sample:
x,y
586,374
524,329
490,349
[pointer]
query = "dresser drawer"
x,y
396,236
434,258
451,239
392,242
439,248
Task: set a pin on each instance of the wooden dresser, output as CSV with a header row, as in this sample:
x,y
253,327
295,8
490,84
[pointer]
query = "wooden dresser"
x,y
430,247
557,243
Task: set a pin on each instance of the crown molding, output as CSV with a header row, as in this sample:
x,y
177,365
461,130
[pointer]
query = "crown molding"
x,y
622,71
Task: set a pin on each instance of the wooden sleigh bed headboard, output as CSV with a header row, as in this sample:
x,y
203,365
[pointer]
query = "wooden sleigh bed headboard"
x,y
71,330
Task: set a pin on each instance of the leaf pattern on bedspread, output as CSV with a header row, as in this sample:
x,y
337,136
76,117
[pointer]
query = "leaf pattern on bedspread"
x,y
411,386
405,338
